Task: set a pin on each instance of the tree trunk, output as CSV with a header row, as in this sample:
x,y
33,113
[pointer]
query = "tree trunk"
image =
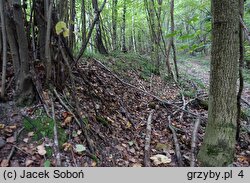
x,y
173,40
25,92
114,24
219,141
124,49
72,25
13,43
47,44
99,43
4,39
241,78
84,27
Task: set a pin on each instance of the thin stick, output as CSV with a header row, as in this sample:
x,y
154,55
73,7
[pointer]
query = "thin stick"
x,y
145,92
56,147
148,140
176,143
77,120
194,141
16,135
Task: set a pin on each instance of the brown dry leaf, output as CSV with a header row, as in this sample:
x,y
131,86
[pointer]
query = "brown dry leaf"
x,y
30,134
26,140
12,127
45,95
93,164
67,146
5,163
65,114
10,140
28,162
8,130
41,150
160,159
110,120
67,120
2,126
137,165
79,132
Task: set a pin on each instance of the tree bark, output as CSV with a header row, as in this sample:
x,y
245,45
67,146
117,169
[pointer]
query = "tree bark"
x,y
219,142
47,44
241,63
99,43
84,26
114,24
25,93
4,39
124,49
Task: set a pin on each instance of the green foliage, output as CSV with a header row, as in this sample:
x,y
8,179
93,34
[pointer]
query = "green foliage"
x,y
43,126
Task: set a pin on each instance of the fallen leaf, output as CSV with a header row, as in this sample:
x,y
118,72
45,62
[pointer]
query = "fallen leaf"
x,y
26,140
67,120
41,150
80,148
5,163
28,162
160,159
30,134
67,146
12,127
47,163
2,126
79,132
137,165
10,140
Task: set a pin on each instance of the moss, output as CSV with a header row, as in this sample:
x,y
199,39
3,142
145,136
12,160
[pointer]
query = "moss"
x,y
43,126
103,121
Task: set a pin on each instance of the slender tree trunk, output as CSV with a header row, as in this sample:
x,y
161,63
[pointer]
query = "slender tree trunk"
x,y
84,26
219,142
4,39
241,63
124,49
72,25
25,90
99,43
13,43
173,40
47,44
114,24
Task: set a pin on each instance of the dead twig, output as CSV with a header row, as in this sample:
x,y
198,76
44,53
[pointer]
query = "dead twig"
x,y
194,141
176,143
56,146
80,123
16,135
148,140
164,102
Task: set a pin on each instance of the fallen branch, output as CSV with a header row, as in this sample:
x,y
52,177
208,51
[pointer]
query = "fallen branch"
x,y
148,140
80,123
145,92
194,141
56,147
16,135
176,143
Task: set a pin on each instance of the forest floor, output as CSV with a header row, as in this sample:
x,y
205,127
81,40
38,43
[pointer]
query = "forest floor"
x,y
115,106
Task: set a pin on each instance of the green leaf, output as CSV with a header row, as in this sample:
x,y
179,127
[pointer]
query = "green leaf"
x,y
61,27
80,148
47,163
